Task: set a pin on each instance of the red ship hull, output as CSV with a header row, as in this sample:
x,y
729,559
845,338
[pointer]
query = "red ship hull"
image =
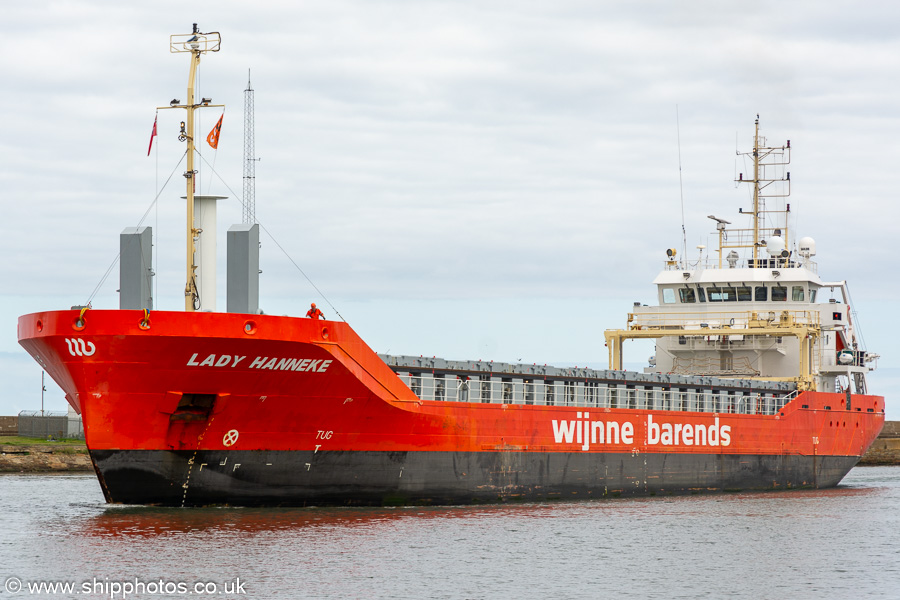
x,y
216,408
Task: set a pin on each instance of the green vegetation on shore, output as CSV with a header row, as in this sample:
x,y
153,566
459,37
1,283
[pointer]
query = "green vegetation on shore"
x,y
14,440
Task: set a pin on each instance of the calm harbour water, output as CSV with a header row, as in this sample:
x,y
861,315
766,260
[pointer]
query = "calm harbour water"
x,y
839,543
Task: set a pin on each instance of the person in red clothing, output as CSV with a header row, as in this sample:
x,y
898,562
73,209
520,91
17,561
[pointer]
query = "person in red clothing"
x,y
314,313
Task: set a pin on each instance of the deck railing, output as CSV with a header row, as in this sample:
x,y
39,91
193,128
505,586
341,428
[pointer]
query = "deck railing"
x,y
721,321
711,261
454,388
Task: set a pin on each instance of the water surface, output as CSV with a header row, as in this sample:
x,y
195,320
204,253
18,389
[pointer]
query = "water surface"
x,y
839,543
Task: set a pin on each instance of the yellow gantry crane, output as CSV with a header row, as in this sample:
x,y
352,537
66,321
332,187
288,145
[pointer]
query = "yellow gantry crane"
x,y
785,325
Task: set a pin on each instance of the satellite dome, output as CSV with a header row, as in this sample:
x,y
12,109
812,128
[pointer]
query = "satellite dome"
x,y
807,247
775,246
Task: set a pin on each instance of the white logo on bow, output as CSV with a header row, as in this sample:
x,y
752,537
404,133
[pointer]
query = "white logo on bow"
x,y
78,347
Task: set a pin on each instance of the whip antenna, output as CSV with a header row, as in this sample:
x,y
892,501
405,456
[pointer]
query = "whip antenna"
x,y
681,188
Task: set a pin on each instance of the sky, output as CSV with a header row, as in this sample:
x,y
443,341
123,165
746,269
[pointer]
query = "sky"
x,y
472,180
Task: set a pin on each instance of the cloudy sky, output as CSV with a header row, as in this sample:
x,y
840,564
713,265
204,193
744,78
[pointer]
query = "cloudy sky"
x,y
494,180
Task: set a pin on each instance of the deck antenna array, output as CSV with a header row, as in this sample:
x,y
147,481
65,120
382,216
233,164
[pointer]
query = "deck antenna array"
x,y
249,211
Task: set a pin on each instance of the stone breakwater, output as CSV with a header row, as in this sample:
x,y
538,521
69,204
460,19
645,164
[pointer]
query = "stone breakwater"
x,y
44,458
886,449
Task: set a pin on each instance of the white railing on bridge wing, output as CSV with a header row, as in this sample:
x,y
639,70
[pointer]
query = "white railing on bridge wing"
x,y
652,316
711,261
452,388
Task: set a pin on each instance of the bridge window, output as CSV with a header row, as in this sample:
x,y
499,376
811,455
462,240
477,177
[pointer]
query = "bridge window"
x,y
762,293
701,294
687,295
744,294
812,295
724,294
668,295
797,293
779,294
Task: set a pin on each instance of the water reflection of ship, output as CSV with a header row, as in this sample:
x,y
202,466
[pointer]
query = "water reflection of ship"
x,y
149,522
154,522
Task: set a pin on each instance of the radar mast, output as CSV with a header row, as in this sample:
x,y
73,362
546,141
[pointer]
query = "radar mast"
x,y
769,167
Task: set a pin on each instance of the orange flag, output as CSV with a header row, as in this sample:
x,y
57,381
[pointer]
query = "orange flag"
x,y
213,138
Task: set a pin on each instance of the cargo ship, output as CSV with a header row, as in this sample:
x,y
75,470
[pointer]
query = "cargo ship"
x,y
758,382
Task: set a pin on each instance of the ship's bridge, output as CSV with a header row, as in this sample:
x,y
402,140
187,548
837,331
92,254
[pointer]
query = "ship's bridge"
x,y
748,298
686,287
765,323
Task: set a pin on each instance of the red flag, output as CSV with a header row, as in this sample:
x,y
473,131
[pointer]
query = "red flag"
x,y
213,138
152,135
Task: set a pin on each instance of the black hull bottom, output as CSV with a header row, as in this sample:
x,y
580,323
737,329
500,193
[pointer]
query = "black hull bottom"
x,y
301,478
